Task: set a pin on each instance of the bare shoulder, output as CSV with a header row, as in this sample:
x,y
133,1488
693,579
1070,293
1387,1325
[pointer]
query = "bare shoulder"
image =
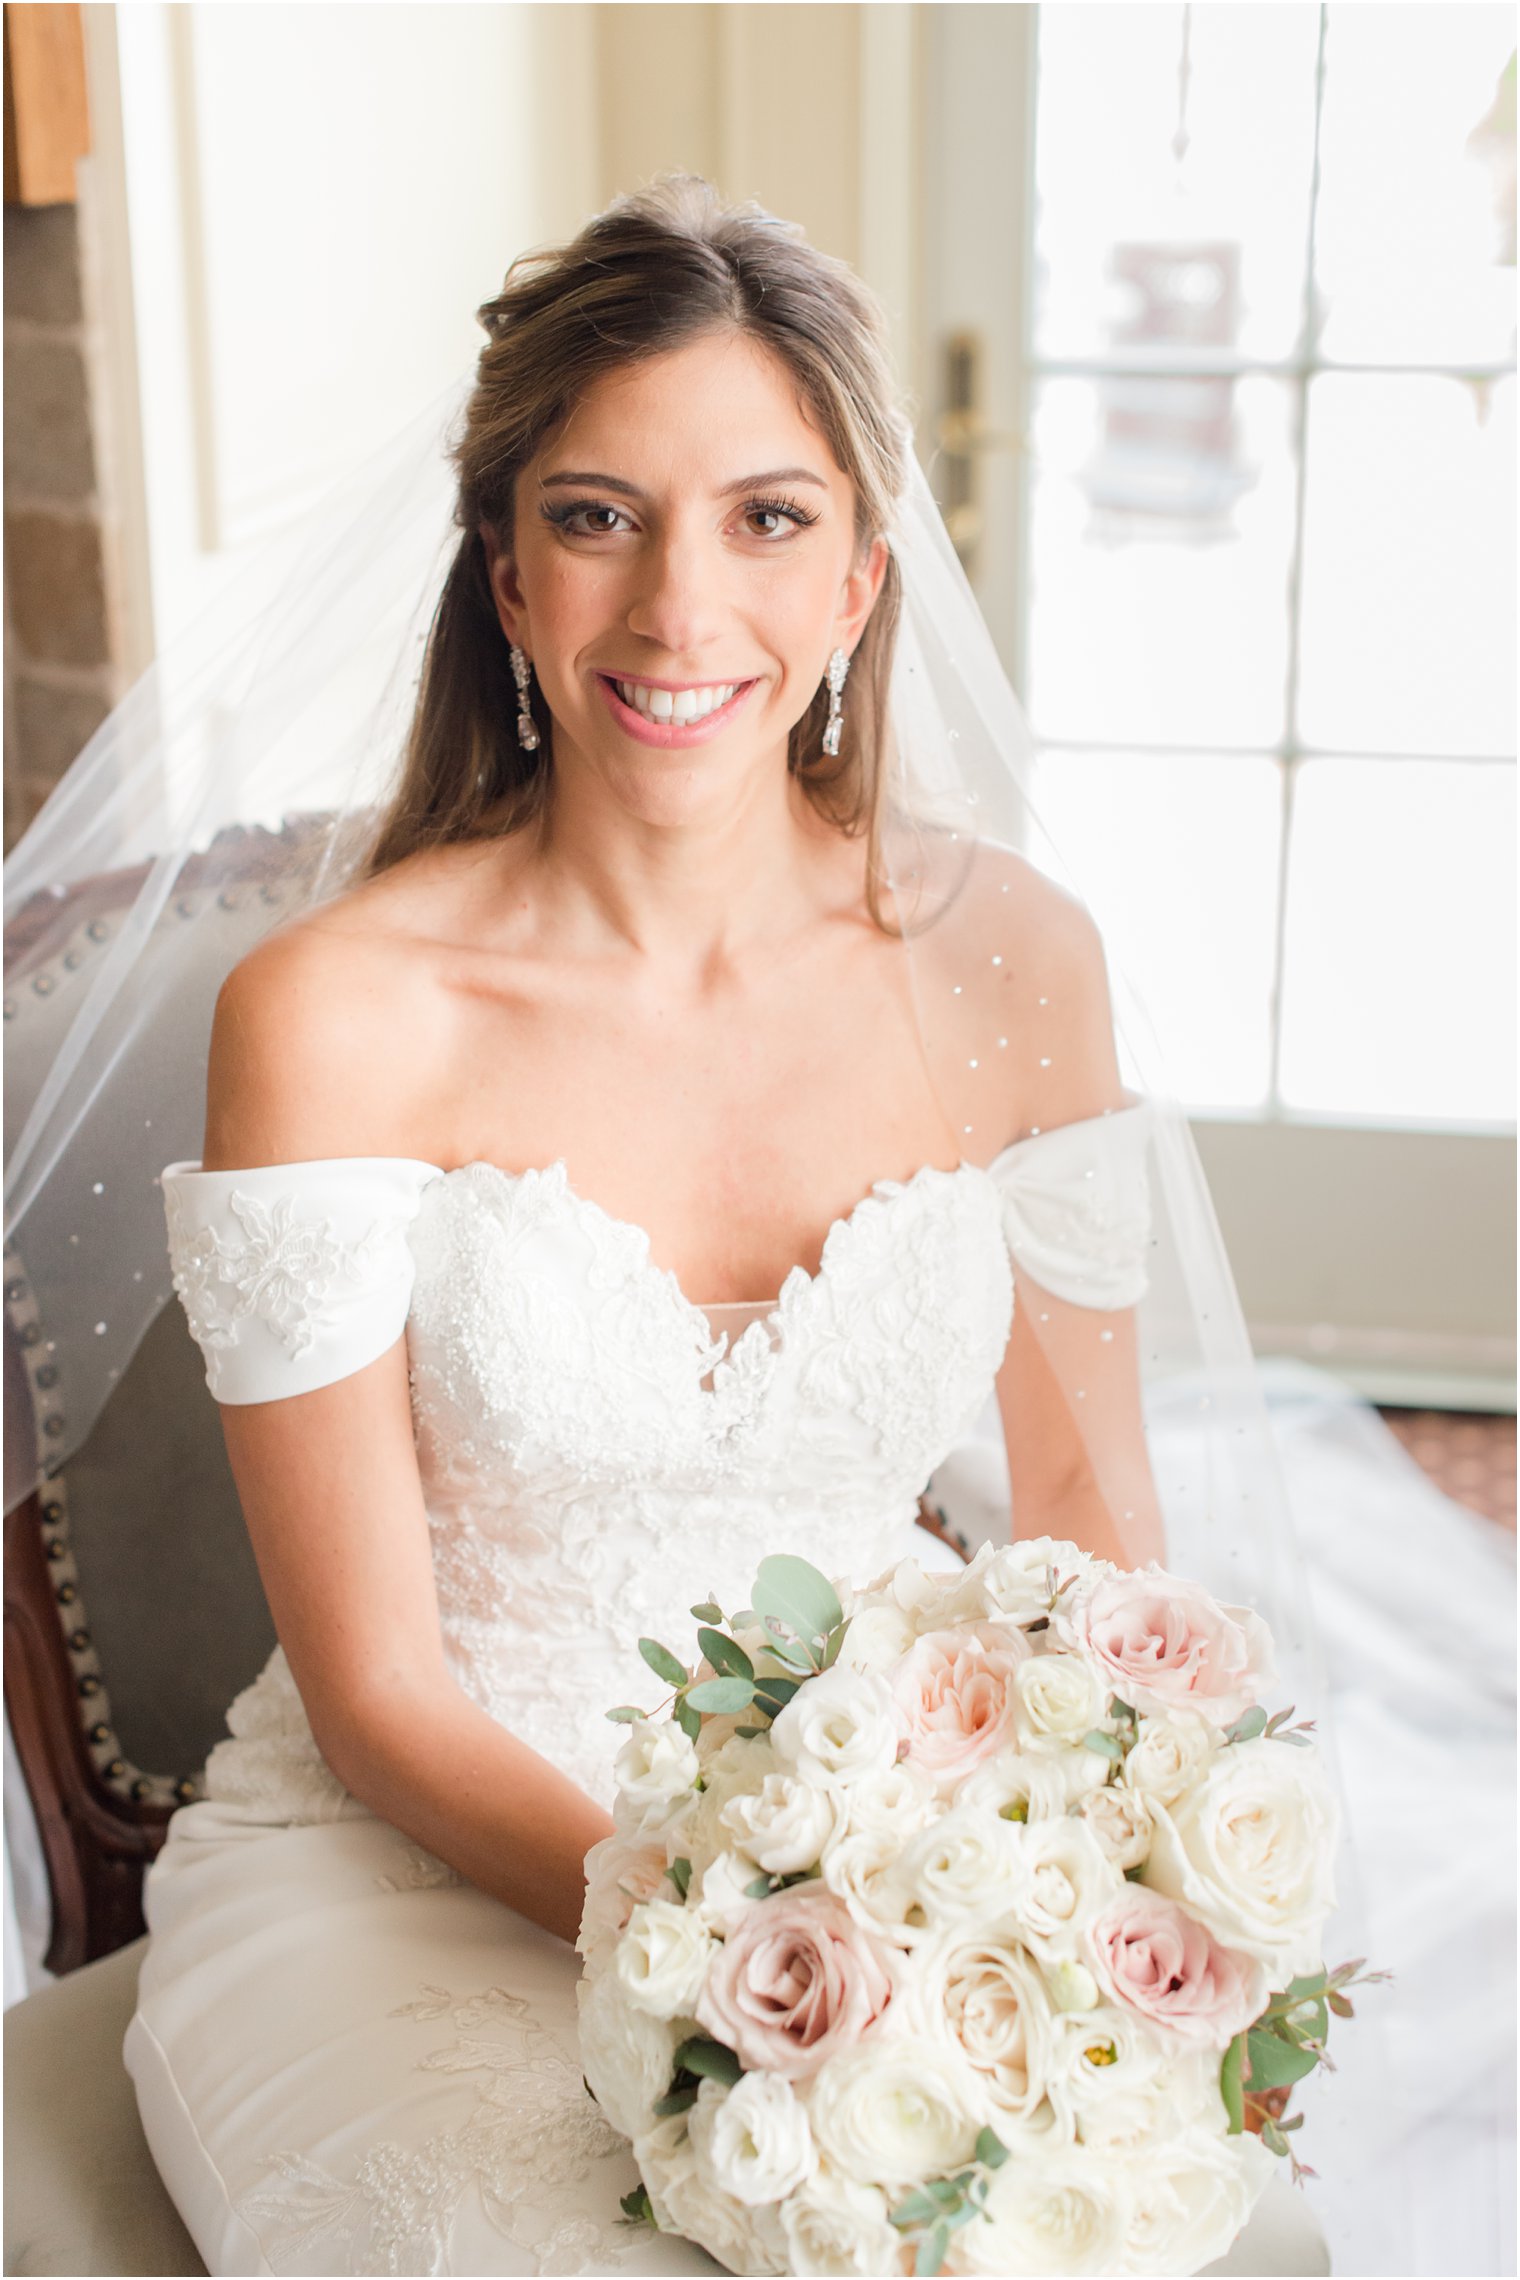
x,y
333,1033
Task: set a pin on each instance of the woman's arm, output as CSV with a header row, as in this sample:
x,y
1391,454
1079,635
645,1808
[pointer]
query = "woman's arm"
x,y
303,1066
333,1501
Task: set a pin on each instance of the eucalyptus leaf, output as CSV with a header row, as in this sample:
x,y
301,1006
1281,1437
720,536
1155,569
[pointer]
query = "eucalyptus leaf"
x,y
798,1658
775,1693
726,1655
751,1733
679,1873
1230,2089
990,2149
708,1612
1340,2004
1248,1726
1104,1744
637,2206
836,1641
701,2055
689,1720
663,1663
626,1714
759,1888
931,2252
677,2101
913,2209
1275,2063
721,1696
795,1592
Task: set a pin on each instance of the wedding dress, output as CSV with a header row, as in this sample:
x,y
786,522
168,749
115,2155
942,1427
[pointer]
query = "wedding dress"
x,y
349,2060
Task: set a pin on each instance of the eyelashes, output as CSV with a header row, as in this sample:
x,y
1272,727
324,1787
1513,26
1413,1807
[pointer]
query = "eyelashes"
x,y
561,513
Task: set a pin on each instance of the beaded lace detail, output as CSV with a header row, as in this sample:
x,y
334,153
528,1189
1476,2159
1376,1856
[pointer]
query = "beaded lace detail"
x,y
531,2138
284,1271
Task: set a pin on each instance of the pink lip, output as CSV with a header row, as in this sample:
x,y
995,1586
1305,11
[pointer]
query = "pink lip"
x,y
668,735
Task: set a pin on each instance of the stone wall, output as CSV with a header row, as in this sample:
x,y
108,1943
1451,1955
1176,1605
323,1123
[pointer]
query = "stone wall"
x,y
62,645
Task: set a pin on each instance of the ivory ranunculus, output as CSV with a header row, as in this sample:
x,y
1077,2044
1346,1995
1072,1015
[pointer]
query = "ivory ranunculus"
x,y
1248,1853
657,1769
1192,2196
738,1769
1058,1699
864,1869
752,2140
628,2056
895,2109
1067,2214
897,1800
797,1981
1156,1959
1067,1880
785,1825
662,1958
837,1727
1162,1643
1172,1755
955,1698
619,1874
684,2201
835,2226
1103,2056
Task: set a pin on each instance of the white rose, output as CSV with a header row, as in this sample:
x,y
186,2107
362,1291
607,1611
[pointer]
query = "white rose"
x,y
784,1826
1191,2198
1040,1787
837,1727
966,1866
1120,1819
989,1997
1065,2214
896,1800
1146,2110
628,2057
737,1769
878,1637
921,1596
657,1769
1172,1755
717,1897
619,1873
864,1867
743,2239
1066,1881
896,2109
661,1960
1059,1698
1013,1580
753,2140
835,2226
1249,1853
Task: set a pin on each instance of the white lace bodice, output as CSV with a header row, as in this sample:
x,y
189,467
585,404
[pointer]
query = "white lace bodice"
x,y
593,1459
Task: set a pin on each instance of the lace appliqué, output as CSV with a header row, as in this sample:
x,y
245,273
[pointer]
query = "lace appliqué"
x,y
283,1274
533,2135
420,1871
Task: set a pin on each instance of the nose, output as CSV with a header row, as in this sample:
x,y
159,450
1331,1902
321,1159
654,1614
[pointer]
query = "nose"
x,y
677,600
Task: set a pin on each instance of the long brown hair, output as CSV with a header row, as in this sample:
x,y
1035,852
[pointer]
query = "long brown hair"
x,y
652,272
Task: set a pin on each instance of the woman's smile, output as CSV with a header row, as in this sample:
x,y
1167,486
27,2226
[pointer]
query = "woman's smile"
x,y
673,714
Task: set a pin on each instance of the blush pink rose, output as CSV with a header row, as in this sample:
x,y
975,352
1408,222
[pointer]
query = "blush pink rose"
x,y
1162,1643
798,1982
954,1696
1158,1960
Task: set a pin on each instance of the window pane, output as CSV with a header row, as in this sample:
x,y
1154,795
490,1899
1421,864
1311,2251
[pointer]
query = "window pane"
x,y
1161,521
1414,246
1409,579
1398,993
1178,859
1141,247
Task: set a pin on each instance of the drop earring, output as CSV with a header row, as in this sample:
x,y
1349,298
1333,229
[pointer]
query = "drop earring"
x,y
522,674
839,666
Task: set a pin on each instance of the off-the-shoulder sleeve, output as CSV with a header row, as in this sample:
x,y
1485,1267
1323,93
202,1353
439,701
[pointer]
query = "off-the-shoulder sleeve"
x,y
293,1275
1076,1207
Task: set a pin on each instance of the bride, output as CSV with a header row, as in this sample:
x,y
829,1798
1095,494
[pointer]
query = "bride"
x,y
579,1219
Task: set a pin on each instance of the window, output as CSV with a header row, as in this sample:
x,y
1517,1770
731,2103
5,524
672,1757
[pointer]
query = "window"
x,y
1268,651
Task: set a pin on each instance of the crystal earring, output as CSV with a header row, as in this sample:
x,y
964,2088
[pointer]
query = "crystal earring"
x,y
839,666
527,726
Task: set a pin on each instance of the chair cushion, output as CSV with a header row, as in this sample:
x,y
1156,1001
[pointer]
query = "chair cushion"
x,y
81,2192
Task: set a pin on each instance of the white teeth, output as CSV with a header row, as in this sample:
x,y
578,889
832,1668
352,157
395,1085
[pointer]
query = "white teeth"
x,y
675,707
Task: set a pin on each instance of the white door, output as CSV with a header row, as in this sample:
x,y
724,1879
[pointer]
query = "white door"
x,y
1217,355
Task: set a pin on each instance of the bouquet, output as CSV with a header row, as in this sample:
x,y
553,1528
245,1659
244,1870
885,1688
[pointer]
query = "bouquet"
x,y
965,1923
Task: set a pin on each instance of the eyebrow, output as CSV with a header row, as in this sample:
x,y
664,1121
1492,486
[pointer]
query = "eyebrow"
x,y
593,481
